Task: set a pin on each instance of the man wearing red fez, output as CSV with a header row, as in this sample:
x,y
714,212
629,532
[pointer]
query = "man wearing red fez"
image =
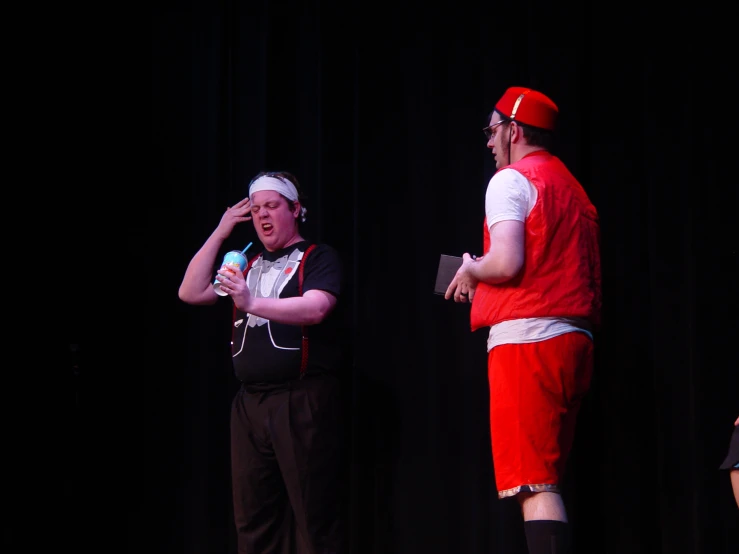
x,y
538,289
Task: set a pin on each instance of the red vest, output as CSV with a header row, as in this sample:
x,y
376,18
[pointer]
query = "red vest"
x,y
561,274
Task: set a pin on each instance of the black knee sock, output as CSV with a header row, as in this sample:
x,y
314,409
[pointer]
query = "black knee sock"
x,y
546,536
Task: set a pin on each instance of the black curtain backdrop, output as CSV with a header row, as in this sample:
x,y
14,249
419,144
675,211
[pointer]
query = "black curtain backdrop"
x,y
378,110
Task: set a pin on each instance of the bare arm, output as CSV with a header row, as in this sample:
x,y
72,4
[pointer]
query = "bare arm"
x,y
196,287
502,262
309,309
506,255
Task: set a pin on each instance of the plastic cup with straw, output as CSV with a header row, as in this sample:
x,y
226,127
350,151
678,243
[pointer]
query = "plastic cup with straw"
x,y
233,261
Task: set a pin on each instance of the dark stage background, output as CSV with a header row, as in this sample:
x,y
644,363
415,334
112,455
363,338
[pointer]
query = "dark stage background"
x,y
378,110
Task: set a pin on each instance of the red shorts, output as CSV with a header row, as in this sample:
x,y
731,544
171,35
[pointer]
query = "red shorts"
x,y
535,394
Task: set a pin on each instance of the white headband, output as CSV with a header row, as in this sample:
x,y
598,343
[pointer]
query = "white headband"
x,y
281,185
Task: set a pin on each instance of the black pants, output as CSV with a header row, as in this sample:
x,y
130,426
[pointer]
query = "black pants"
x,y
286,468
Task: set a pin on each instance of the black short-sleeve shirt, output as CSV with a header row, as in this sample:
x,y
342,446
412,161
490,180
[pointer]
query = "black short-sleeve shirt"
x,y
269,352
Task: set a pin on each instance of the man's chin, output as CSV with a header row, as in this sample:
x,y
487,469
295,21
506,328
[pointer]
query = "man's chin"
x,y
270,242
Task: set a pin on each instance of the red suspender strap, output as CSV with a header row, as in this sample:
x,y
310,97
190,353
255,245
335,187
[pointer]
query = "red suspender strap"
x,y
304,357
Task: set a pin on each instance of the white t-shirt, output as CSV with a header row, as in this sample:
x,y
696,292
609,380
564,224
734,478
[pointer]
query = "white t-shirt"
x,y
510,197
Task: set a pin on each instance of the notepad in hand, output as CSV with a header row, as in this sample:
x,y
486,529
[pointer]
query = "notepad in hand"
x,y
448,266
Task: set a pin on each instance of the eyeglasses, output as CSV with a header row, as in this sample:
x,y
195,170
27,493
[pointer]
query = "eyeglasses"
x,y
490,132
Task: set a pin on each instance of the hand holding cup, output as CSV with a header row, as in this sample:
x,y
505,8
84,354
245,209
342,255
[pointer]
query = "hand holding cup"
x,y
232,262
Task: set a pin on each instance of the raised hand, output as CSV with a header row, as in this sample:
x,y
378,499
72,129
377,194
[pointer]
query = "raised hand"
x,y
238,213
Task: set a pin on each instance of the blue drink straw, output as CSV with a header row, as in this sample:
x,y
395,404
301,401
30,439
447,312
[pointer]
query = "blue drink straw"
x,y
247,248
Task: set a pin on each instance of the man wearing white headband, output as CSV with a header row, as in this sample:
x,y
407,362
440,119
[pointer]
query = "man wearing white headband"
x,y
262,194
286,438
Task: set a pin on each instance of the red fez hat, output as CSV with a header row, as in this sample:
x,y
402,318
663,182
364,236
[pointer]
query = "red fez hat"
x,y
528,106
